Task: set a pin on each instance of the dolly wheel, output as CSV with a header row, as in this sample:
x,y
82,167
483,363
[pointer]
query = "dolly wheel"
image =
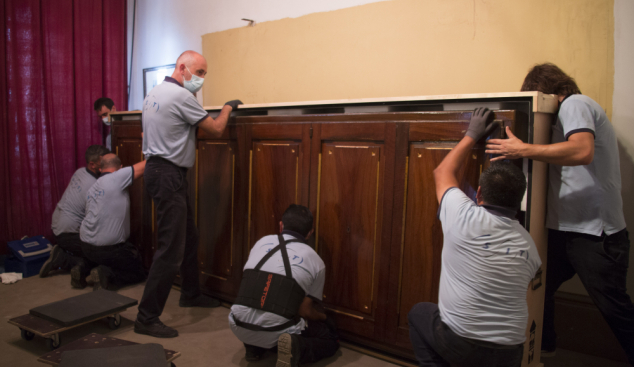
x,y
114,322
26,335
54,342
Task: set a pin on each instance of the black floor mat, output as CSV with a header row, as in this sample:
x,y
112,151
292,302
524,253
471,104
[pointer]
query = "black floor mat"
x,y
140,355
82,308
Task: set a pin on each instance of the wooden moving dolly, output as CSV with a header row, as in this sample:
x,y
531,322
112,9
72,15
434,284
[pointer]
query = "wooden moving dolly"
x,y
50,320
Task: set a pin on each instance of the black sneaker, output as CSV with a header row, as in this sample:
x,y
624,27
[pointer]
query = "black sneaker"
x,y
252,356
156,329
99,278
58,259
287,351
200,301
78,277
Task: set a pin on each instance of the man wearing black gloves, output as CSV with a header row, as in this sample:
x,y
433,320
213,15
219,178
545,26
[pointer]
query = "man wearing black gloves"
x,y
171,115
488,260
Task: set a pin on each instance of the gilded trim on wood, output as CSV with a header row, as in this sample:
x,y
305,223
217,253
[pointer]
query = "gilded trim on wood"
x,y
249,209
402,255
318,204
376,219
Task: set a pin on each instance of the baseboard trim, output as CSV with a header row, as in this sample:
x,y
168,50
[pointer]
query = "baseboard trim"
x,y
581,328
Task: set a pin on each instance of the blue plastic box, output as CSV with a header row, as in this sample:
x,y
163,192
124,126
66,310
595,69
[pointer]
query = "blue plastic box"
x,y
27,255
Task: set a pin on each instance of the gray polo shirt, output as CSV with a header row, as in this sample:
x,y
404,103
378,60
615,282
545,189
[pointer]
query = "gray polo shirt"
x,y
70,210
170,116
107,219
586,199
488,260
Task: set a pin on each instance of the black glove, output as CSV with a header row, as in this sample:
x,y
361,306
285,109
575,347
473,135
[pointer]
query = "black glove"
x,y
234,104
477,125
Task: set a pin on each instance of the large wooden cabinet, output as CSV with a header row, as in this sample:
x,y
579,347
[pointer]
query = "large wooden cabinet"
x,y
366,176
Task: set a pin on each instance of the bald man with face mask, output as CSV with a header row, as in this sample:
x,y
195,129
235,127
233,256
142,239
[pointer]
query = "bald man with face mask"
x,y
170,117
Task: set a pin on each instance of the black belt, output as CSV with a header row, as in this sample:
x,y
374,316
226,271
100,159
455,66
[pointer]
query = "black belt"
x,y
292,322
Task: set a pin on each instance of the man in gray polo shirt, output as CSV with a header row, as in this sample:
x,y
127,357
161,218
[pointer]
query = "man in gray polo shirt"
x,y
488,260
67,217
587,234
105,229
170,117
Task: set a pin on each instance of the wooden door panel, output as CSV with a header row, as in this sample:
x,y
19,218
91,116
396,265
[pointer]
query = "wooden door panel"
x,y
349,213
130,153
215,207
421,247
275,184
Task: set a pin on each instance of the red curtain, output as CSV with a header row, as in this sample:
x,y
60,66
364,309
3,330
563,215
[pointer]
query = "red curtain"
x,y
59,56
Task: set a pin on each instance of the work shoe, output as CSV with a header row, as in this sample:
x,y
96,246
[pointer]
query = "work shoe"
x,y
252,356
99,279
57,260
287,351
200,301
77,278
156,329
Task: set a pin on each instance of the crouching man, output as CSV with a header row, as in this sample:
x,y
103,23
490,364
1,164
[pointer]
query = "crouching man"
x,y
488,260
279,302
105,229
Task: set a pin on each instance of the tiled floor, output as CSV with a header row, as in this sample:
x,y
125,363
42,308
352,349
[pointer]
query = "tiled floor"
x,y
205,338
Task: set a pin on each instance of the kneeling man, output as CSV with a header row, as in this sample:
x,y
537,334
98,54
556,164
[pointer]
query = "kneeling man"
x,y
488,261
105,230
279,302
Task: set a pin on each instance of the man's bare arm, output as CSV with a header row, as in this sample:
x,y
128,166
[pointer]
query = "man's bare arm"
x,y
308,311
217,126
446,174
578,150
139,169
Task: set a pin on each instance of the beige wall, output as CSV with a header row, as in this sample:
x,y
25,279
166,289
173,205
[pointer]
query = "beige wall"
x,y
412,47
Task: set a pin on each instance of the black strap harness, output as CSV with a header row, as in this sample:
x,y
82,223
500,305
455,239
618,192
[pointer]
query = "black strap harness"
x,y
271,292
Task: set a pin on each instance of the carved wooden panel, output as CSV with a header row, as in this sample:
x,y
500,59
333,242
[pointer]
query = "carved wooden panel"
x,y
275,183
349,224
215,207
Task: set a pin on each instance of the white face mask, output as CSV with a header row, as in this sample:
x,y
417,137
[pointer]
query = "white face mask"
x,y
105,120
194,84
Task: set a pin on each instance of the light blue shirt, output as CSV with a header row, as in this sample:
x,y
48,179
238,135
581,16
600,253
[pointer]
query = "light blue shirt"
x,y
488,261
71,209
170,116
586,199
107,219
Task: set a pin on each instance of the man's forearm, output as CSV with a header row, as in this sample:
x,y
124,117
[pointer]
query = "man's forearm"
x,y
454,160
220,123
563,154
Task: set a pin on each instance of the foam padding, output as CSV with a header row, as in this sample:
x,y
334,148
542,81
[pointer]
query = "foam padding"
x,y
139,355
83,308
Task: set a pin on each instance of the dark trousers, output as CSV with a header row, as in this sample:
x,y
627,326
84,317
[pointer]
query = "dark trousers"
x,y
435,344
318,340
70,243
121,262
177,250
601,263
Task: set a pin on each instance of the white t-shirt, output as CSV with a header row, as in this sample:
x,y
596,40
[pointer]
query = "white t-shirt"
x,y
488,261
308,270
586,199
